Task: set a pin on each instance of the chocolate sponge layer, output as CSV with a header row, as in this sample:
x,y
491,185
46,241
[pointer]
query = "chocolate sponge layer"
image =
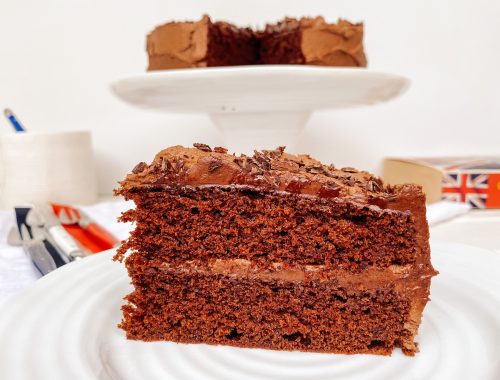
x,y
197,305
178,224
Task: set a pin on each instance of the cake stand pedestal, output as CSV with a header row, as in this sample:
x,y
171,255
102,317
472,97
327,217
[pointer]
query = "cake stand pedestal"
x,y
245,131
258,107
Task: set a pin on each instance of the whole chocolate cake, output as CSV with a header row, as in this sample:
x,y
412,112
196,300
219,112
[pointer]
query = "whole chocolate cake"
x,y
273,251
205,43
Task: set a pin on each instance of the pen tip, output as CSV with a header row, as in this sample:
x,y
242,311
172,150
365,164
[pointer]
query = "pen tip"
x,y
7,112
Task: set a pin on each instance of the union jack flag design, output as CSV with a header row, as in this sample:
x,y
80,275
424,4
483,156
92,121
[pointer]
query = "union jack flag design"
x,y
466,187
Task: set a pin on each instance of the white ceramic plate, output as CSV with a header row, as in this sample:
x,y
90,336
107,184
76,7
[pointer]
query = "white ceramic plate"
x,y
64,328
265,88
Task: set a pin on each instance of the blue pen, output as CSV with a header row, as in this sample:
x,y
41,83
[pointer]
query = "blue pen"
x,y
13,120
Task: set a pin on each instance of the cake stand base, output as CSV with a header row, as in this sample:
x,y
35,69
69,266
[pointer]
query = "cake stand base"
x,y
242,132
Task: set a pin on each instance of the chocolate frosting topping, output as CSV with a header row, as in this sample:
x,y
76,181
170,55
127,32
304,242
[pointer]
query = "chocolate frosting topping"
x,y
273,170
178,44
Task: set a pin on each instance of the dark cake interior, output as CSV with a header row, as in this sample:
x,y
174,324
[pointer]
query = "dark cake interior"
x,y
221,223
281,43
230,46
286,310
274,251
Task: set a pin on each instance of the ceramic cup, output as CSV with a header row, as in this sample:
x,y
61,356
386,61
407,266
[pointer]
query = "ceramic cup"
x,y
40,167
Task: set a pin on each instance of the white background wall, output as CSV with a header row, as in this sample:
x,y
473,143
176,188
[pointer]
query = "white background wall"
x,y
57,59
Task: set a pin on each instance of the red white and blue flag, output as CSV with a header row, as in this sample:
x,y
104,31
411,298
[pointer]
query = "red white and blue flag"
x,y
466,187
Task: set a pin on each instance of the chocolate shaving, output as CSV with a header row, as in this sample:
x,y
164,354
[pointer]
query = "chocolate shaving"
x,y
276,153
350,181
179,165
166,166
248,163
252,166
219,149
316,169
239,161
348,169
328,173
203,147
214,164
372,186
263,161
139,168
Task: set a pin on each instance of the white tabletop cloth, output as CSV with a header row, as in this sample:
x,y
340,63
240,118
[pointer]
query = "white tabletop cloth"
x,y
16,270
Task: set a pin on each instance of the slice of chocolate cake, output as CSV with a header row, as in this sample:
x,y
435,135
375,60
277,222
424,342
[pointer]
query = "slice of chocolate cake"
x,y
305,41
312,41
273,251
200,44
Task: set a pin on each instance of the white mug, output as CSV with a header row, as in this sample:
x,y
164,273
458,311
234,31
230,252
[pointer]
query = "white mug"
x,y
38,167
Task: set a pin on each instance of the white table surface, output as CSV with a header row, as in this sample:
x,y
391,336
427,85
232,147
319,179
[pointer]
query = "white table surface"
x,y
480,228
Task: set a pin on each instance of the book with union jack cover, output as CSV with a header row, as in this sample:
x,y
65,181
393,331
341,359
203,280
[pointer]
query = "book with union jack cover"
x,y
474,180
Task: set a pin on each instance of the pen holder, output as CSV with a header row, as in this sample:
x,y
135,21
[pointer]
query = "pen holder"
x,y
47,166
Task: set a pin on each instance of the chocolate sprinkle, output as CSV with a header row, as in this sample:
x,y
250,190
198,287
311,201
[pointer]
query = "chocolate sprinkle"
x,y
219,149
203,147
264,162
139,168
316,169
239,161
276,152
166,166
179,164
348,169
372,186
351,181
214,164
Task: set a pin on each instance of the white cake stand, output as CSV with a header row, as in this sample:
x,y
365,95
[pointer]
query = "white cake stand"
x,y
259,106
